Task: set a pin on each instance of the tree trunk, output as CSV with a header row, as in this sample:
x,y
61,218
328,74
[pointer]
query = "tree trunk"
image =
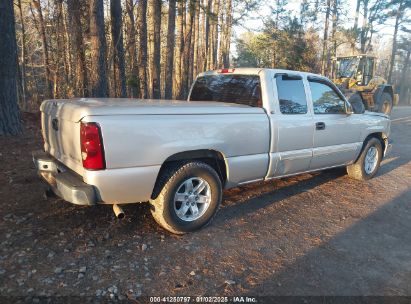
x,y
195,44
131,45
325,38
201,38
170,49
334,29
23,56
156,9
207,35
213,46
142,54
221,41
227,34
46,60
9,111
357,13
210,49
150,47
35,93
67,56
187,47
363,34
59,52
98,49
76,32
405,71
118,46
179,50
333,50
193,47
398,18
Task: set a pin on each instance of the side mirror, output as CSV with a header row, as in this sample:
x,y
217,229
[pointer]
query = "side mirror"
x,y
348,108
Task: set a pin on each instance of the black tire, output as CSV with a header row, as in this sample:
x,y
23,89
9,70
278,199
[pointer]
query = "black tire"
x,y
172,177
357,170
357,104
385,103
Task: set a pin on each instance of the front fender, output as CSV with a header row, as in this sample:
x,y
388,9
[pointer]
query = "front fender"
x,y
376,123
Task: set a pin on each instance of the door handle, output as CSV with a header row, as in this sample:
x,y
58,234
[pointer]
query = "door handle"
x,y
320,125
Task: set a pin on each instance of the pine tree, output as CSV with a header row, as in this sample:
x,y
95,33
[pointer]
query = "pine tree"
x,y
118,48
170,49
9,111
157,49
142,53
99,87
76,32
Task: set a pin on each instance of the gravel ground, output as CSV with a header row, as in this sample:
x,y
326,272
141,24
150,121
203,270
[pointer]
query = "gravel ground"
x,y
314,234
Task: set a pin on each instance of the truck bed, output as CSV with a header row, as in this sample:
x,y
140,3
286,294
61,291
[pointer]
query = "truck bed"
x,y
76,109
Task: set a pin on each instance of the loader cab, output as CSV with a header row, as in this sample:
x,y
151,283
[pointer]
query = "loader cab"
x,y
358,70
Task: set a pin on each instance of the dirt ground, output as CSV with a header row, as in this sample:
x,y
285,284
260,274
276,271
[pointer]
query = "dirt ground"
x,y
315,234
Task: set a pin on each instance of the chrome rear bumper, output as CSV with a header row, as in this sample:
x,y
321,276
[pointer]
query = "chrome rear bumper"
x,y
62,181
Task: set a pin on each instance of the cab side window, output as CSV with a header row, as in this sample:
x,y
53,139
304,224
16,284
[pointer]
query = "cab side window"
x,y
291,94
325,99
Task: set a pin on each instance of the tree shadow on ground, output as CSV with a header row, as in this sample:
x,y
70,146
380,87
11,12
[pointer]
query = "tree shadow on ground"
x,y
372,257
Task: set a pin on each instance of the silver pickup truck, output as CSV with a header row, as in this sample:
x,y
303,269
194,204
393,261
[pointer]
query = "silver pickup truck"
x,y
238,126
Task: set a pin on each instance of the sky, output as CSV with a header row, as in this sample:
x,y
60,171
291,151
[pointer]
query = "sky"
x,y
255,23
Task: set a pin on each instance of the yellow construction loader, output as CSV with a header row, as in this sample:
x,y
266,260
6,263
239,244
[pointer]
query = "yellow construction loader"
x,y
355,77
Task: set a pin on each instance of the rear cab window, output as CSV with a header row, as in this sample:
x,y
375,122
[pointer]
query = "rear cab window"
x,y
239,89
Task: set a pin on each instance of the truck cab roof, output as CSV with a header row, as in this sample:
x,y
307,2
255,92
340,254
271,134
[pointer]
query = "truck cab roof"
x,y
258,71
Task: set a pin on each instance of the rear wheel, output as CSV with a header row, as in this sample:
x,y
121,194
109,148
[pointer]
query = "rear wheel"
x,y
367,165
188,196
385,104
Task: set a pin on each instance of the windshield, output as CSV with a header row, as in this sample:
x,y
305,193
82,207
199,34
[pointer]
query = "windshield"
x,y
241,89
347,67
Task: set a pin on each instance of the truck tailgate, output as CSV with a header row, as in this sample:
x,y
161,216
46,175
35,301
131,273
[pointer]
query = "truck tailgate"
x,y
61,135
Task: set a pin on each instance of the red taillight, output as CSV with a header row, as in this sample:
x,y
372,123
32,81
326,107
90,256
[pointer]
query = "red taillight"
x,y
92,151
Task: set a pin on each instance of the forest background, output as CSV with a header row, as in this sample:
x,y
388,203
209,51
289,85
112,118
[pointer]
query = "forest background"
x,y
154,48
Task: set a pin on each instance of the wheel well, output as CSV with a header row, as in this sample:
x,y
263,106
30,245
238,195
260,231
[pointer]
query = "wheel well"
x,y
380,136
213,158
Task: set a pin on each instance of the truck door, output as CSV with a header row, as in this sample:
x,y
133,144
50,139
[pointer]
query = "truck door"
x,y
292,127
337,135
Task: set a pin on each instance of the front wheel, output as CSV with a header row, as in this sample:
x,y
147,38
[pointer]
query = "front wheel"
x,y
368,163
187,196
